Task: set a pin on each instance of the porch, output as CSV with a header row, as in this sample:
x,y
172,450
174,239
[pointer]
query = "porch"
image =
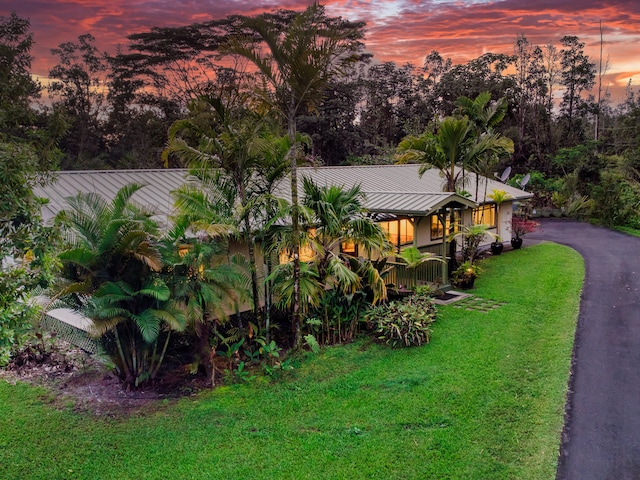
x,y
432,273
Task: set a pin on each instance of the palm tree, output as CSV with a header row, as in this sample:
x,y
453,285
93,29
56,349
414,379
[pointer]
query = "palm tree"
x,y
485,116
112,264
339,217
456,143
227,150
334,216
202,282
297,54
448,147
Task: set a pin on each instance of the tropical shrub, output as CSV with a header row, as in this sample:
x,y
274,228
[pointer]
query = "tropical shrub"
x,y
113,264
27,245
472,236
403,323
339,316
16,315
206,285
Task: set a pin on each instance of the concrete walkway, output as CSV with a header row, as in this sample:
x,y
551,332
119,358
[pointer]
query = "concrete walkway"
x,y
601,438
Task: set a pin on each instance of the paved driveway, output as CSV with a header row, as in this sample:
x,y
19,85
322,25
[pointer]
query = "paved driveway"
x,y
601,440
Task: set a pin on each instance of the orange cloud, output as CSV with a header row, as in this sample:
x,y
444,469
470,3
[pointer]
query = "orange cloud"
x,y
400,30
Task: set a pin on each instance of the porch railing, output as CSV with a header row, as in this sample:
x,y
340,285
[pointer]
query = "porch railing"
x,y
429,273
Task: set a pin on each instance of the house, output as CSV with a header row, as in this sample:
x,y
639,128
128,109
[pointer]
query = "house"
x,y
413,209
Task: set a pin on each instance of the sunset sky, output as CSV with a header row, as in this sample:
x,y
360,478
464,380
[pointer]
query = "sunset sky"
x,y
402,31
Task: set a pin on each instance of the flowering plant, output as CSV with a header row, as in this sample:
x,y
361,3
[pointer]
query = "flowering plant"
x,y
521,226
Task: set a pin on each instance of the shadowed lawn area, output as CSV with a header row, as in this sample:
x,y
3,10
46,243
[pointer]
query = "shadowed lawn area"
x,y
485,399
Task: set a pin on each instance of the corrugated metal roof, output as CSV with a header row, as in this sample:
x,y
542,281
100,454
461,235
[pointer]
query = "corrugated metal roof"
x,y
399,189
402,178
156,194
396,189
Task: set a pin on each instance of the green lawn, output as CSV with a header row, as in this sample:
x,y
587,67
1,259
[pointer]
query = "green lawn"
x,y
631,231
484,400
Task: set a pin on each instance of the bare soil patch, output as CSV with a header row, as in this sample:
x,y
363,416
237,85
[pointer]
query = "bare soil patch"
x,y
77,380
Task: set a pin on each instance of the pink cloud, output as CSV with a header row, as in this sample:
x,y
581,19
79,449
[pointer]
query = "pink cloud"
x,y
400,30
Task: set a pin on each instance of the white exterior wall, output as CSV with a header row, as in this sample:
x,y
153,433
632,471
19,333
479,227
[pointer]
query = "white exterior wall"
x,y
504,220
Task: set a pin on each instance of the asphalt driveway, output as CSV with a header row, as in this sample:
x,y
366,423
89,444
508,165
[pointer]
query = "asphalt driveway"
x,y
601,438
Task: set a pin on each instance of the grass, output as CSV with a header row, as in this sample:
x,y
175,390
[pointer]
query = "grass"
x,y
485,399
630,230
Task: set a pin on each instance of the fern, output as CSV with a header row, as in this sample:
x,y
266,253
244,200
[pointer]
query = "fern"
x,y
313,343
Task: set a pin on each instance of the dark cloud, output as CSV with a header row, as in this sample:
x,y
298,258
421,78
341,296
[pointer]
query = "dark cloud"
x,y
399,30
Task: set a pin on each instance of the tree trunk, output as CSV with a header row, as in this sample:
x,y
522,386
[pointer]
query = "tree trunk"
x,y
295,227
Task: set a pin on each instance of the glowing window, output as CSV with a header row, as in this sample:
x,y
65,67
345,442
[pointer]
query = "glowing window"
x,y
350,248
436,225
306,252
400,231
485,215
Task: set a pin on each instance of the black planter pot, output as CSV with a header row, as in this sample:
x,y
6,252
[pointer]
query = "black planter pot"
x,y
516,242
466,283
497,247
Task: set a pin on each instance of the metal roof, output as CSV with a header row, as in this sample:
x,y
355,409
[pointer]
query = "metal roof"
x,y
395,189
156,194
400,190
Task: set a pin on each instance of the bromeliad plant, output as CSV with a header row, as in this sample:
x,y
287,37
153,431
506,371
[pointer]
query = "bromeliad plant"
x,y
465,275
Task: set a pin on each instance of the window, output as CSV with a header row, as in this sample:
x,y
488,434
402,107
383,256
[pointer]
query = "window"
x,y
350,248
400,231
306,252
485,215
436,226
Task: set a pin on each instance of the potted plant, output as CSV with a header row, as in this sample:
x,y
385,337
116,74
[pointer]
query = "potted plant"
x,y
465,275
497,246
520,226
498,196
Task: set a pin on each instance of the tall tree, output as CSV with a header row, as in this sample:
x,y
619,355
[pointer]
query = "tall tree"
x,y
485,73
484,115
392,106
453,145
18,89
577,77
297,54
334,128
28,154
78,87
235,146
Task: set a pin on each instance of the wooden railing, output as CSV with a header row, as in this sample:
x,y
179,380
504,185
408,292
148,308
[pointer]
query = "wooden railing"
x,y
429,273
407,278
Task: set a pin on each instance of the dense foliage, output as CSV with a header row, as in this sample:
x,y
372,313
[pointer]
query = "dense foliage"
x,y
310,95
554,105
27,154
406,322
